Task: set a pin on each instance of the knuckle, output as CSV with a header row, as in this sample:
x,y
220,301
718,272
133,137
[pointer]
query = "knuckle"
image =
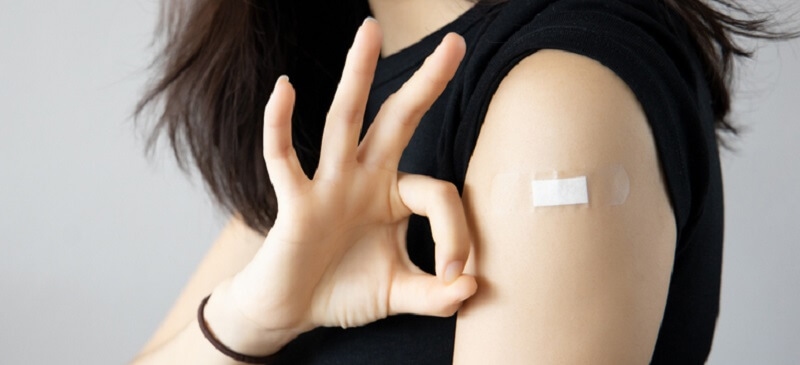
x,y
444,190
344,115
432,80
356,63
361,70
404,107
277,153
448,310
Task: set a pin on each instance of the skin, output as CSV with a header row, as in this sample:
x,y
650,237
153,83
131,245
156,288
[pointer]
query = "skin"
x,y
566,285
336,253
554,286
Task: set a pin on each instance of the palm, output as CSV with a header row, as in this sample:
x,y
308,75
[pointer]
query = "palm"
x,y
367,256
356,290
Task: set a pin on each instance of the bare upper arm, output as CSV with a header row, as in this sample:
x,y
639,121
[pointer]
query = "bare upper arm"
x,y
232,250
572,284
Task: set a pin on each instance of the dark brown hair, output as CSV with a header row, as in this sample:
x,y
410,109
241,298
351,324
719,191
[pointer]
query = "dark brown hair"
x,y
219,60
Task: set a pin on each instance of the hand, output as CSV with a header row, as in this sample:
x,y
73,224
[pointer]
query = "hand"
x,y
336,255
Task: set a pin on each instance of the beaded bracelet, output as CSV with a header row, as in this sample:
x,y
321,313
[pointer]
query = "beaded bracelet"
x,y
221,347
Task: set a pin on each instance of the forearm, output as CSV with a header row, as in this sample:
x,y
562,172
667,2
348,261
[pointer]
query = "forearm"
x,y
228,326
188,347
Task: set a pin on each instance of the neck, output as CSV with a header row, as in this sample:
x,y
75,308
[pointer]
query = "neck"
x,y
405,22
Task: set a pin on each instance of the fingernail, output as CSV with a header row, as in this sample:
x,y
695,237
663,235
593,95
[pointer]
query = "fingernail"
x,y
453,271
369,19
282,78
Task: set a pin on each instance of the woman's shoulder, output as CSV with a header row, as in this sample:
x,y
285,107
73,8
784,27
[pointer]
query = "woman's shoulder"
x,y
640,41
636,33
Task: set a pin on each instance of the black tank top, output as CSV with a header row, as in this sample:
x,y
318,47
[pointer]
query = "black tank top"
x,y
649,48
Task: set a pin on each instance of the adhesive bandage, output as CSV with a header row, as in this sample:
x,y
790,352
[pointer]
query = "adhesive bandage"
x,y
555,192
518,191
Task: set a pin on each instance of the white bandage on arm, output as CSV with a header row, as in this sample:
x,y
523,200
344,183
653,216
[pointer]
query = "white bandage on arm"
x,y
555,192
527,191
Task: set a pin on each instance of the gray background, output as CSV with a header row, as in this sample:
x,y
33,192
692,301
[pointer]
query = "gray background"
x,y
96,241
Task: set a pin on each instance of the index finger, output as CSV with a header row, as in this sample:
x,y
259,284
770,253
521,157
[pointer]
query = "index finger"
x,y
440,202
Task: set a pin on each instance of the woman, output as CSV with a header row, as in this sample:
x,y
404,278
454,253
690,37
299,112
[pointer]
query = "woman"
x,y
579,135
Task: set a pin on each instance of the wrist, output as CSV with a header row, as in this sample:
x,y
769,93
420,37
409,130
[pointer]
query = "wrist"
x,y
237,332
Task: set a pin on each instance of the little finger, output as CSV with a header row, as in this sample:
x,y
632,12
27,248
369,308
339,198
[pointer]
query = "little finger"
x,y
279,154
400,114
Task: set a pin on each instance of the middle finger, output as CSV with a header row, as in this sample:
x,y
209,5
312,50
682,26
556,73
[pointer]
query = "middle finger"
x,y
343,123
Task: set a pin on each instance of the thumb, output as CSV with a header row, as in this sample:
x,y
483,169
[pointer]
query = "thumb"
x,y
425,294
